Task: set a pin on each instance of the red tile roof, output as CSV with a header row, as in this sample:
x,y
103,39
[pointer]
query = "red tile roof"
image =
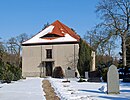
x,y
54,33
61,29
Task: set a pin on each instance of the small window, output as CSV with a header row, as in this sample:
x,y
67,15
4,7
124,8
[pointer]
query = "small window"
x,y
48,53
50,36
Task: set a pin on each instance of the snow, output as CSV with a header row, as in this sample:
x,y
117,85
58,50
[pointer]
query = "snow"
x,y
88,90
29,89
37,38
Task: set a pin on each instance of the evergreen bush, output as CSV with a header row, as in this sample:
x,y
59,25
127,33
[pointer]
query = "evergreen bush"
x,y
17,73
8,77
9,73
84,61
104,74
1,69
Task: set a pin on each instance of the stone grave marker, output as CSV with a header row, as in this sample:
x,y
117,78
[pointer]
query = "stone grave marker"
x,y
113,80
70,73
86,75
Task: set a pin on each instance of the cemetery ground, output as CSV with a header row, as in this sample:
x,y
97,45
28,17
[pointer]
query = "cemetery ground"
x,y
31,89
74,90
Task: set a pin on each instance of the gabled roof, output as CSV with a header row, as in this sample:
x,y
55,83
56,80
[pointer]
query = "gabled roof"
x,y
54,33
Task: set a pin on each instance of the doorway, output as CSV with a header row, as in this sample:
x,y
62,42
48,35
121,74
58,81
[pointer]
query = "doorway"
x,y
48,68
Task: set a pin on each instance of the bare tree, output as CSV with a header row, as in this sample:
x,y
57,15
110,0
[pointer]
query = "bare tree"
x,y
116,18
100,40
20,39
14,47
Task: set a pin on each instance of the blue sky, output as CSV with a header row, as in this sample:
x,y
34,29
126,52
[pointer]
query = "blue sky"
x,y
29,16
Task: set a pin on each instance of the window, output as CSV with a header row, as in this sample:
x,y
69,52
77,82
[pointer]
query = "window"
x,y
48,53
50,36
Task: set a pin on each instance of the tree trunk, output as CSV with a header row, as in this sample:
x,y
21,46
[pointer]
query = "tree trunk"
x,y
124,50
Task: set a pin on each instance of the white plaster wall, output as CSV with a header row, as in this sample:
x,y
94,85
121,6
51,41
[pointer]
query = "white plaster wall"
x,y
31,59
62,55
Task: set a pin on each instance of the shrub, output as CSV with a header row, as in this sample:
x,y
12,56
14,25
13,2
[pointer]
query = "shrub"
x,y
17,73
8,77
9,72
1,69
58,72
104,74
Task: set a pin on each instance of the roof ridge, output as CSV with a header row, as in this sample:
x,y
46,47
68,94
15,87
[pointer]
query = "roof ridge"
x,y
63,26
68,31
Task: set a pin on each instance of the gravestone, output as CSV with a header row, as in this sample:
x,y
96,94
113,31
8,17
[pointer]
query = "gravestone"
x,y
94,76
113,80
70,73
86,75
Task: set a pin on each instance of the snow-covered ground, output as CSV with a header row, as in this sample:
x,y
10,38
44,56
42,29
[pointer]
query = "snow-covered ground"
x,y
31,89
88,90
28,89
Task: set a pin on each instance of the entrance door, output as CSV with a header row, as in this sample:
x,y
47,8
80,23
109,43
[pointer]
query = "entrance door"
x,y
48,68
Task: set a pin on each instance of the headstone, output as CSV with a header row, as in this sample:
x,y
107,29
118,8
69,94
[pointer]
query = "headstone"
x,y
94,76
86,75
113,80
69,73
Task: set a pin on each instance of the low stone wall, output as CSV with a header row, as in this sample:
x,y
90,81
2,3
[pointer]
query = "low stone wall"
x,y
31,74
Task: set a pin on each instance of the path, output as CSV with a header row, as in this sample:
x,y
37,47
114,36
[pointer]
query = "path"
x,y
24,89
49,91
